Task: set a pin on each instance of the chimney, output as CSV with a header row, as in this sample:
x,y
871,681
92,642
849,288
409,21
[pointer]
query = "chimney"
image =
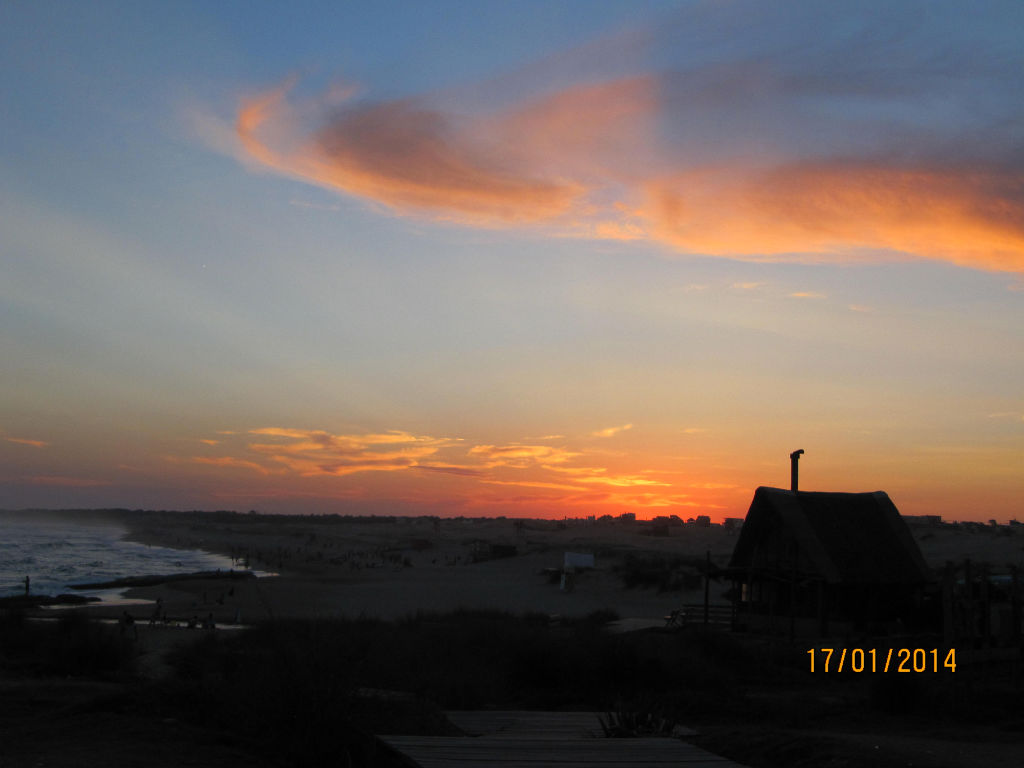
x,y
794,470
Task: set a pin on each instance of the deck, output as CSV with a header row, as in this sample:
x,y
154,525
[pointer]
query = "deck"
x,y
519,739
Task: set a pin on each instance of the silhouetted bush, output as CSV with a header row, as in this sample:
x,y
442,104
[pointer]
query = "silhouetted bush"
x,y
895,693
72,646
665,574
462,660
285,684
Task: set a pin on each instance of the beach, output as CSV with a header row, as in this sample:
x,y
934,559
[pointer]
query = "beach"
x,y
393,568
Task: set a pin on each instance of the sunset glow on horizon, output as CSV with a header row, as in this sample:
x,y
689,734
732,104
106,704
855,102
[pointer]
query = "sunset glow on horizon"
x,y
540,259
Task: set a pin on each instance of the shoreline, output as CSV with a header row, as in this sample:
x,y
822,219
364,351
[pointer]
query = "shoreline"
x,y
391,568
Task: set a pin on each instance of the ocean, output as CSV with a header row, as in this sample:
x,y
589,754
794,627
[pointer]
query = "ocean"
x,y
56,554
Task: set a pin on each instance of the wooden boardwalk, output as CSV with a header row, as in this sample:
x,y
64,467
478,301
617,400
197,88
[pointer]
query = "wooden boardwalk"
x,y
517,739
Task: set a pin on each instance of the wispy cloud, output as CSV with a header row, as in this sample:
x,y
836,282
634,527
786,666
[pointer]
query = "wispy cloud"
x,y
807,295
804,133
407,155
451,469
516,455
1007,416
289,457
317,452
600,476
231,461
312,453
533,484
26,441
65,482
611,431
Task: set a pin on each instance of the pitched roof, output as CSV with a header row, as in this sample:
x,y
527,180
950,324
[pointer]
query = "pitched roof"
x,y
846,537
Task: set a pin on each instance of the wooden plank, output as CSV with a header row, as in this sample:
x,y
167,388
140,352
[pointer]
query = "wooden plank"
x,y
626,763
528,739
433,752
582,724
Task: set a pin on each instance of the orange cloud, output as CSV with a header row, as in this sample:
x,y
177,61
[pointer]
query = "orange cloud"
x,y
405,155
592,130
614,159
300,462
972,218
533,484
520,455
67,482
451,469
611,431
230,461
26,441
312,453
621,481
600,475
316,452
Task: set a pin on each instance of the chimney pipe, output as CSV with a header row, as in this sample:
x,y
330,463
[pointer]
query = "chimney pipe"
x,y
794,469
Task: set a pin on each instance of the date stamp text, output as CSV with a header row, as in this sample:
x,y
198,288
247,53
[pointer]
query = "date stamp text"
x,y
882,660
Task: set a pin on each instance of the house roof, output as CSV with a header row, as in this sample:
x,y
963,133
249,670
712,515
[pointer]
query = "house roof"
x,y
855,538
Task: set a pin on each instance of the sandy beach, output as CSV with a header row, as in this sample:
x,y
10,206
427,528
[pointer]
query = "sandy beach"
x,y
397,567
391,568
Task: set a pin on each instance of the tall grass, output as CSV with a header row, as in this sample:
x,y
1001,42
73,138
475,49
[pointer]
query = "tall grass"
x,y
72,646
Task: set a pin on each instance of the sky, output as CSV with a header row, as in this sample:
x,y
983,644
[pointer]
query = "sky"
x,y
537,259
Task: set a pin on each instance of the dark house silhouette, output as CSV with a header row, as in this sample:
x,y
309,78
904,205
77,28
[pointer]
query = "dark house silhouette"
x,y
807,559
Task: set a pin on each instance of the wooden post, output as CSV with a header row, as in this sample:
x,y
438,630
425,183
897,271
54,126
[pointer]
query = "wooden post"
x,y
792,593
986,608
822,618
947,605
1014,604
707,584
972,625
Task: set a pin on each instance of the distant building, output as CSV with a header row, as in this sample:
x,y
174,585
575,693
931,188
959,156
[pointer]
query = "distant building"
x,y
732,523
703,521
923,521
808,559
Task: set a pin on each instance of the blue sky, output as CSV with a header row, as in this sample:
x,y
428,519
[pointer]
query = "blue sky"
x,y
531,258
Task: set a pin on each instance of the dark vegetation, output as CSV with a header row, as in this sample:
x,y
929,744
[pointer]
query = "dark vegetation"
x,y
663,573
72,646
310,692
